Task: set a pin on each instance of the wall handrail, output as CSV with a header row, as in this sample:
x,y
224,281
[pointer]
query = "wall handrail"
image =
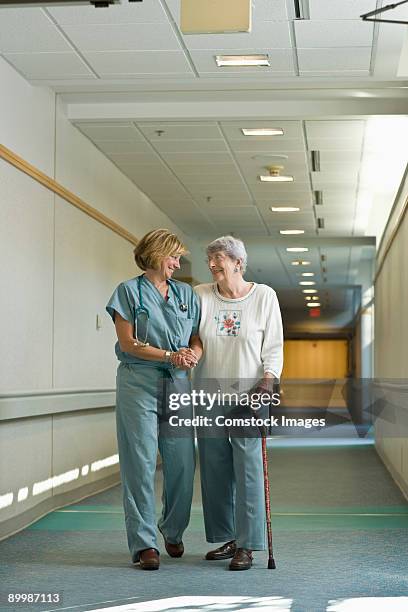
x,y
65,194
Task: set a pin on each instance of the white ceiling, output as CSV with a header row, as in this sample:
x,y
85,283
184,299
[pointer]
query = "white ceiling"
x,y
142,40
154,102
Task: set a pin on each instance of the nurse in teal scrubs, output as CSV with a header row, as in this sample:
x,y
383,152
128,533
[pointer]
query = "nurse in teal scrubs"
x,y
156,320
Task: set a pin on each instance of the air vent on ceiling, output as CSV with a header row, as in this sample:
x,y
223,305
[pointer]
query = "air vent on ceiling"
x,y
315,161
301,9
320,223
318,198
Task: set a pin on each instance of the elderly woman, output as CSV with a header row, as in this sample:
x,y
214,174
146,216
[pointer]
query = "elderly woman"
x,y
156,320
241,333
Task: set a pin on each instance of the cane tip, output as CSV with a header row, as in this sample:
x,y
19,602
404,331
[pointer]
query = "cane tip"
x,y
271,563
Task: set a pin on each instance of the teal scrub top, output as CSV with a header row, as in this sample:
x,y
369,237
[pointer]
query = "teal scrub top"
x,y
169,328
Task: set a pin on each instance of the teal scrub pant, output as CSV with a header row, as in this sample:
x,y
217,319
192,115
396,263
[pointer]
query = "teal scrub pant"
x,y
233,490
142,431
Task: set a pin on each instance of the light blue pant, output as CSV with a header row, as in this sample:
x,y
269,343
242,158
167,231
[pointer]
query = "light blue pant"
x,y
233,491
142,431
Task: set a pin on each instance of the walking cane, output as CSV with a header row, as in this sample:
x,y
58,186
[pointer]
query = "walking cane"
x,y
271,560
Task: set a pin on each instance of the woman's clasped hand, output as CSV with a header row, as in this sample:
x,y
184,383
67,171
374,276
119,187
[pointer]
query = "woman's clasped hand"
x,y
184,358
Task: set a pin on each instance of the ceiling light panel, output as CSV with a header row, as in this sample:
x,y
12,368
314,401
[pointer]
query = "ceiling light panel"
x,y
225,61
291,232
291,129
284,209
281,63
262,131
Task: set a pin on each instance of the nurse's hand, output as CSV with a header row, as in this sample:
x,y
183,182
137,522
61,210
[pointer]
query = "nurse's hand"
x,y
185,359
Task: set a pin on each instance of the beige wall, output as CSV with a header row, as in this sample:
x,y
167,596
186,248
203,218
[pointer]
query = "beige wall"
x,y
58,269
391,340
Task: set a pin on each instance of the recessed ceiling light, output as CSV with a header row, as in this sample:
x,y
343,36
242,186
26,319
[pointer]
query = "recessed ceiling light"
x,y
291,232
275,176
305,283
309,290
301,262
307,273
262,131
278,178
242,60
297,249
284,209
313,304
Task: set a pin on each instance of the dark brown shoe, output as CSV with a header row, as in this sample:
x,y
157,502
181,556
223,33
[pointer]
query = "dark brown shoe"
x,y
174,550
242,560
227,551
149,559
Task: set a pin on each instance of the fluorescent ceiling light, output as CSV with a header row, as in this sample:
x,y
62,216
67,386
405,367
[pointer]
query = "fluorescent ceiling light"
x,y
291,232
284,209
301,262
307,297
307,283
242,60
262,131
315,297
275,179
297,249
307,273
309,290
313,304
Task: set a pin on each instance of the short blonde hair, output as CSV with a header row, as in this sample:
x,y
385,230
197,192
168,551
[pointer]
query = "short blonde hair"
x,y
155,246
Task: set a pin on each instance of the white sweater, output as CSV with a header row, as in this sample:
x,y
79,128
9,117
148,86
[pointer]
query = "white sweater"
x,y
242,337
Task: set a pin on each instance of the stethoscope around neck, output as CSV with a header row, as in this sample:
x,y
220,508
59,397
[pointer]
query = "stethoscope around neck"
x,y
142,310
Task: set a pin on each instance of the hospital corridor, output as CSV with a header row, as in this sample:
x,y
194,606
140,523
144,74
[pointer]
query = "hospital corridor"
x,y
204,288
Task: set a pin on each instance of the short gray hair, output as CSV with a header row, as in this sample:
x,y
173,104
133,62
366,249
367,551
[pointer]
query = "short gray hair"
x,y
233,247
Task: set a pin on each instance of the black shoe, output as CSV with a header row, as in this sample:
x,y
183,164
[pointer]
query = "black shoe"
x,y
242,560
227,551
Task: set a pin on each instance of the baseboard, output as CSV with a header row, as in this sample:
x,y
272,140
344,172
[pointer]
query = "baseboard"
x,y
395,475
17,523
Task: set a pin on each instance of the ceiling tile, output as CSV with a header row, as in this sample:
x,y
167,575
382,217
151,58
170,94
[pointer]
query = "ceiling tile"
x,y
185,130
335,129
186,146
123,13
318,34
263,35
117,64
335,60
125,37
196,158
106,131
336,144
122,146
19,34
49,65
346,9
